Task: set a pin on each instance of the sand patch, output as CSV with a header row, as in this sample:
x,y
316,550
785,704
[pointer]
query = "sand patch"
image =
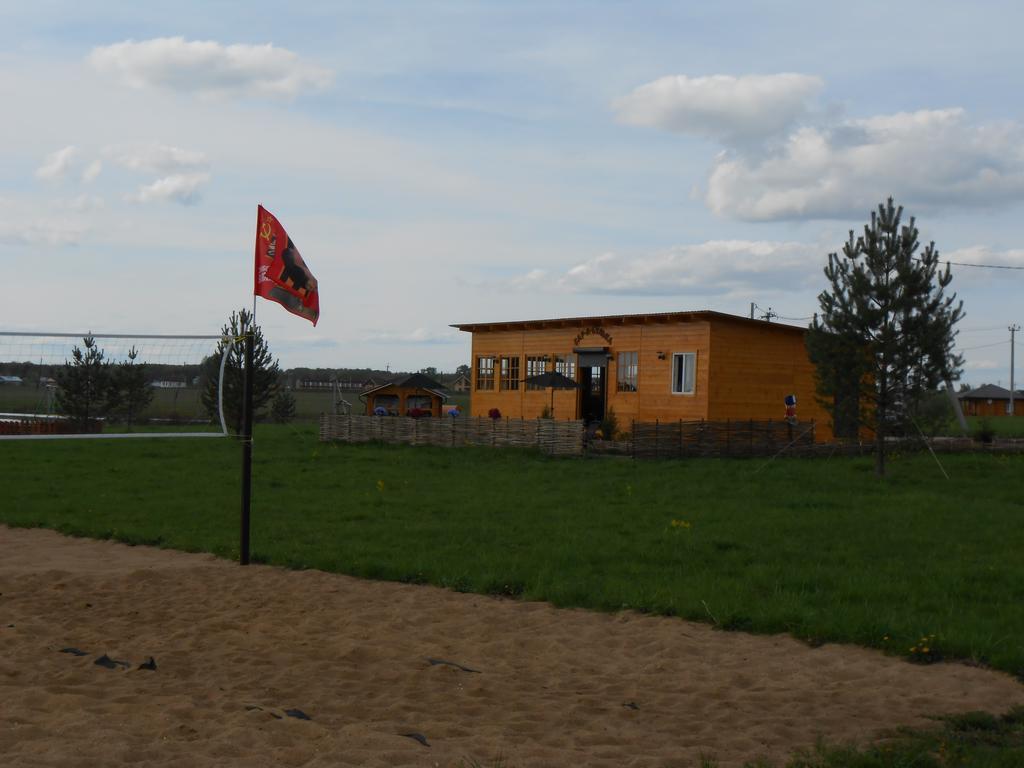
x,y
237,648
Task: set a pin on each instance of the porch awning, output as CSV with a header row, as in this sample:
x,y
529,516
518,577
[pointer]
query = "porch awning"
x,y
592,357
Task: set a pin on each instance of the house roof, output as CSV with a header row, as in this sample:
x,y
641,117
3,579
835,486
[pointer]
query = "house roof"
x,y
990,392
705,315
413,381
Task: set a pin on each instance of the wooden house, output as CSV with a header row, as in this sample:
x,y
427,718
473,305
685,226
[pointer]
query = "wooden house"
x,y
666,366
412,396
990,400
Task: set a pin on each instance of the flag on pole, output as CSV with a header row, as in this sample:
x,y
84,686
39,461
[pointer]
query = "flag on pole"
x,y
281,275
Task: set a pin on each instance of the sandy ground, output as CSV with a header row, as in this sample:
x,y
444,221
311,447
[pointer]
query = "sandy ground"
x,y
236,647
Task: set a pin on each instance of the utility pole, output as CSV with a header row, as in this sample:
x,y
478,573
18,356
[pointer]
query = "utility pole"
x,y
1013,330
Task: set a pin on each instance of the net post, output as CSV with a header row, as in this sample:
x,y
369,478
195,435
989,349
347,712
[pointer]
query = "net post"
x,y
243,554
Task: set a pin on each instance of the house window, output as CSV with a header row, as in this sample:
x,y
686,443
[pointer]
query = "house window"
x,y
684,372
510,372
535,366
566,365
626,372
485,373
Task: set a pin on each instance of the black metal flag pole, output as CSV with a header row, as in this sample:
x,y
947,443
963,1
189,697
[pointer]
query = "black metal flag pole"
x,y
243,555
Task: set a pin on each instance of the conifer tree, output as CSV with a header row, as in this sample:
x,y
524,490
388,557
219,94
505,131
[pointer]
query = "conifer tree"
x,y
267,371
129,393
83,384
283,409
886,331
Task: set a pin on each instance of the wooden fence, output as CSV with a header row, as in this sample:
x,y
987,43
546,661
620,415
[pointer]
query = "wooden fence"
x,y
560,438
12,424
682,439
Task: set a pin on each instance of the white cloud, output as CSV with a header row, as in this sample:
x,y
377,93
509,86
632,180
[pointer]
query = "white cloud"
x,y
982,365
42,231
721,107
181,188
209,68
416,336
86,204
92,171
928,160
57,164
154,157
729,267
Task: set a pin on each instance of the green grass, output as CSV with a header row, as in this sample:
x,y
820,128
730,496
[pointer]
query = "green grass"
x,y
974,739
1002,426
818,548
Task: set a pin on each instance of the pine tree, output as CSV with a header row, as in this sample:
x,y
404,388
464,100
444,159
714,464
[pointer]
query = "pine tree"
x,y
885,336
267,371
83,384
283,409
129,393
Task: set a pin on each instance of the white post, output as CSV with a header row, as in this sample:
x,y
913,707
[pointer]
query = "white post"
x,y
1013,329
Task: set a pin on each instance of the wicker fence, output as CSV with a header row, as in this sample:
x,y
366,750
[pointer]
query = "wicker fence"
x,y
560,438
680,439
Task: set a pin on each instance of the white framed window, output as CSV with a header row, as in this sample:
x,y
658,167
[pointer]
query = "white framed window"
x,y
626,371
566,365
684,373
535,366
485,372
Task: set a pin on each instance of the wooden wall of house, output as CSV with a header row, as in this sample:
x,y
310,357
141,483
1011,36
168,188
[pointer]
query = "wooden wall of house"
x,y
754,367
403,393
744,371
654,398
993,407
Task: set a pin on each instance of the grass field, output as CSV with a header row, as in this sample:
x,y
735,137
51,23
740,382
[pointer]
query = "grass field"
x,y
817,548
915,565
1001,426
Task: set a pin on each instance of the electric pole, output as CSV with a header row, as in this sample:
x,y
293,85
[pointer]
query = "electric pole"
x,y
1013,330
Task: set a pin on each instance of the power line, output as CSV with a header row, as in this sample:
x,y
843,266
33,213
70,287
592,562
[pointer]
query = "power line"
x,y
979,330
770,314
985,346
966,264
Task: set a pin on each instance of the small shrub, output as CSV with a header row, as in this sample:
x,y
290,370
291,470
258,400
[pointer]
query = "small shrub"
x,y
494,413
985,432
609,425
545,412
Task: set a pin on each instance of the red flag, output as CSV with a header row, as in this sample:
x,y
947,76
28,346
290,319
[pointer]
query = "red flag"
x,y
281,274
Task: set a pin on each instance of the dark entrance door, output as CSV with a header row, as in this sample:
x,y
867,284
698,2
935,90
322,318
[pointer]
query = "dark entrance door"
x,y
592,392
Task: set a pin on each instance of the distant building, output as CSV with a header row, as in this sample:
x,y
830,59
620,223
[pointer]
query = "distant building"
x,y
414,395
10,380
461,384
168,384
990,400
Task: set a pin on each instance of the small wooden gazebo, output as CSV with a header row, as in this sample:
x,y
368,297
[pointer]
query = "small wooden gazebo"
x,y
415,395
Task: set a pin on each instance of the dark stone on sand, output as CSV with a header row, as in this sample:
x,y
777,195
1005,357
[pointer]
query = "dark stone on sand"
x,y
416,737
298,714
74,651
435,662
109,663
149,664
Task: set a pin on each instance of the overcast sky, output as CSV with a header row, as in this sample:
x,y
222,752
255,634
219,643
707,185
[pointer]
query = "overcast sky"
x,y
452,162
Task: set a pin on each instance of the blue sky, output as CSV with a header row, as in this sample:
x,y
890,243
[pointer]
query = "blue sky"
x,y
462,162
